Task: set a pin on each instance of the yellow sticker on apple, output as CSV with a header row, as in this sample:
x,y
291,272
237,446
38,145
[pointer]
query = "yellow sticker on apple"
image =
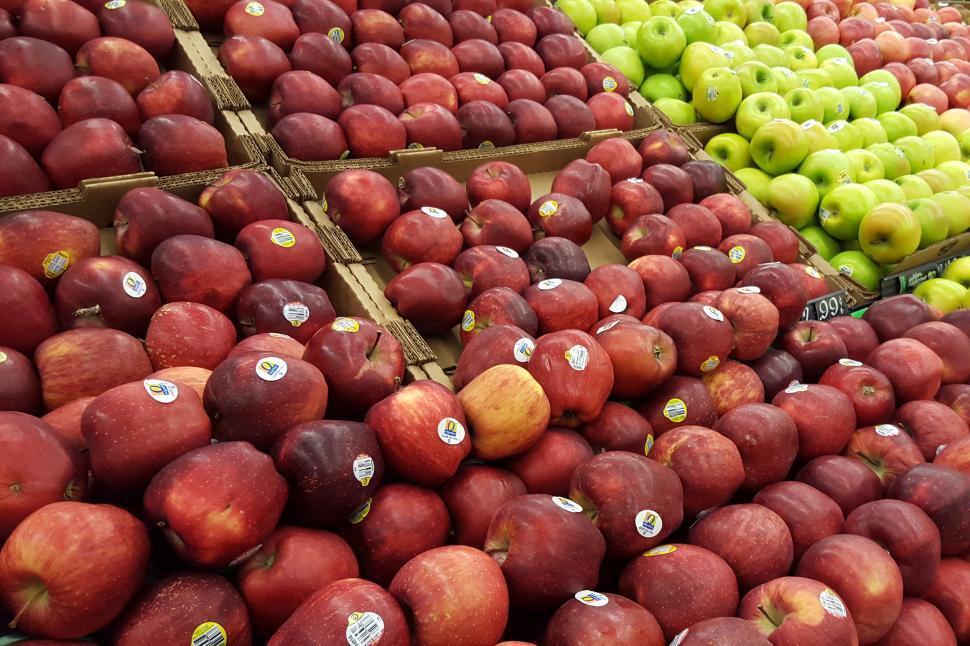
x,y
677,251
3,356
675,410
648,445
283,237
55,264
661,550
255,9
710,363
336,34
344,324
468,321
209,634
736,254
115,4
610,84
481,79
360,513
548,208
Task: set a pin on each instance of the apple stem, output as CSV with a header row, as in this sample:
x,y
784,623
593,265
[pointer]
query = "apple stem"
x,y
87,311
23,609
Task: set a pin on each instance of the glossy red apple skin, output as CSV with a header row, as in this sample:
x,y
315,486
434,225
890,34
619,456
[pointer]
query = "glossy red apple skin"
x,y
500,180
618,428
146,217
495,306
790,611
562,305
849,482
947,593
950,344
282,249
201,270
37,321
664,279
106,291
630,199
284,306
782,286
618,156
362,203
816,345
652,234
709,269
870,391
431,295
703,335
933,425
429,186
189,334
914,370
892,317
19,384
556,258
561,215
547,465
643,357
734,384
46,243
777,370
679,401
578,384
809,513
885,449
723,630
939,491
824,416
497,223
621,618
279,345
919,621
767,440
495,345
473,494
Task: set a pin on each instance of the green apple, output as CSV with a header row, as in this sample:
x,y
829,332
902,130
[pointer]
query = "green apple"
x,y
728,32
865,166
886,191
818,136
872,131
757,110
888,233
965,145
878,74
730,150
897,125
827,169
731,11
841,211
814,79
633,10
663,8
894,161
804,105
859,267
956,121
937,179
738,53
788,16
630,30
824,244
627,60
762,33
770,55
679,112
840,70
606,36
918,151
833,104
698,25
660,41
756,77
717,94
779,146
800,58
759,10
862,104
658,86
887,95
581,12
925,117
958,271
827,52
846,134
914,187
796,37
756,181
957,171
852,245
785,79
942,293
698,57
946,147
606,11
956,208
792,199
932,222
684,5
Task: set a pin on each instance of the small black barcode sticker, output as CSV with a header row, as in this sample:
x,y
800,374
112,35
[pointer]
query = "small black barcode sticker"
x,y
364,628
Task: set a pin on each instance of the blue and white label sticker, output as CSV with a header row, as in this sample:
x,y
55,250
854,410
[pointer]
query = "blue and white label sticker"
x,y
522,349
364,628
648,523
451,431
567,504
271,369
164,392
134,285
592,598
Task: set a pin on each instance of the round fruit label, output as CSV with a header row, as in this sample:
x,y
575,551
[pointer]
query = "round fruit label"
x,y
711,94
796,387
3,356
844,177
690,11
675,410
648,445
360,513
900,153
850,363
680,637
522,350
592,598
939,449
710,363
486,145
511,253
134,285
607,327
451,431
635,180
838,125
749,289
481,79
808,124
845,270
832,603
434,212
736,254
887,430
255,9
468,321
209,634
804,82
282,237
344,324
115,4
55,264
296,313
610,84
364,628
549,283
814,273
548,208
336,34
164,392
567,504
714,313
824,214
577,357
363,468
932,41
648,523
661,550
271,369
619,304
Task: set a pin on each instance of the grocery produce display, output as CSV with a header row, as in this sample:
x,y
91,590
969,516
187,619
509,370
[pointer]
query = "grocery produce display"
x,y
609,356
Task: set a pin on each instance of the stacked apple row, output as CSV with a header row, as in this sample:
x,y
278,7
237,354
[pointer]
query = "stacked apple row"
x,y
121,97
362,82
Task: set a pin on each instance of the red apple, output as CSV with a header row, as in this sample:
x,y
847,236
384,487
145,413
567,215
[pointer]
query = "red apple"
x,y
618,156
576,374
782,285
523,58
722,630
893,316
913,369
777,370
591,614
796,611
175,92
672,182
767,440
467,25
32,65
858,335
314,52
201,270
37,320
282,249
68,25
189,334
284,306
652,235
931,424
870,391
502,181
429,186
362,203
664,279
919,621
242,197
848,482
663,147
106,291
89,149
565,80
532,121
809,513
485,266
561,215
428,56
525,84
494,222
733,384
89,97
710,270
748,251
19,385
950,344
677,402
754,319
375,58
271,20
781,239
473,494
816,345
485,126
939,491
497,344
372,131
947,593
547,465
146,217
703,336
824,416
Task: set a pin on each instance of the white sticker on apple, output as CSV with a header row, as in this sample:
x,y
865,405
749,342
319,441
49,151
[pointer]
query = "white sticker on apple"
x,y
714,313
618,304
549,283
271,369
567,504
344,324
808,124
364,628
887,430
661,550
635,180
577,357
850,363
363,468
523,348
282,237
164,392
592,598
285,336
511,253
648,523
838,125
481,79
134,285
115,4
607,327
690,11
296,313
814,273
3,356
846,270
749,289
832,603
255,9
940,449
434,212
796,387
451,431
468,321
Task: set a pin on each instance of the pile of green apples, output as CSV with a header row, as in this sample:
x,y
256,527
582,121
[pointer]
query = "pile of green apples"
x,y
949,292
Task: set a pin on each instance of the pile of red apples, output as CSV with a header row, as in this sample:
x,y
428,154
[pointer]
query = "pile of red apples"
x,y
341,80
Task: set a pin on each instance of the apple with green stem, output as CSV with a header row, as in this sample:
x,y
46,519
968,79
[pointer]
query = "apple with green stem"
x,y
730,150
888,233
758,109
660,41
842,209
894,161
859,267
804,105
865,166
779,146
793,199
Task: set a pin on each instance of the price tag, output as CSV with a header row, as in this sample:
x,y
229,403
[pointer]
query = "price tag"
x,y
826,307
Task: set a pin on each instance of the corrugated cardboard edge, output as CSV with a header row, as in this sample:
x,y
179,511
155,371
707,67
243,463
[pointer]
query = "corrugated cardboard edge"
x,y
223,87
179,15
